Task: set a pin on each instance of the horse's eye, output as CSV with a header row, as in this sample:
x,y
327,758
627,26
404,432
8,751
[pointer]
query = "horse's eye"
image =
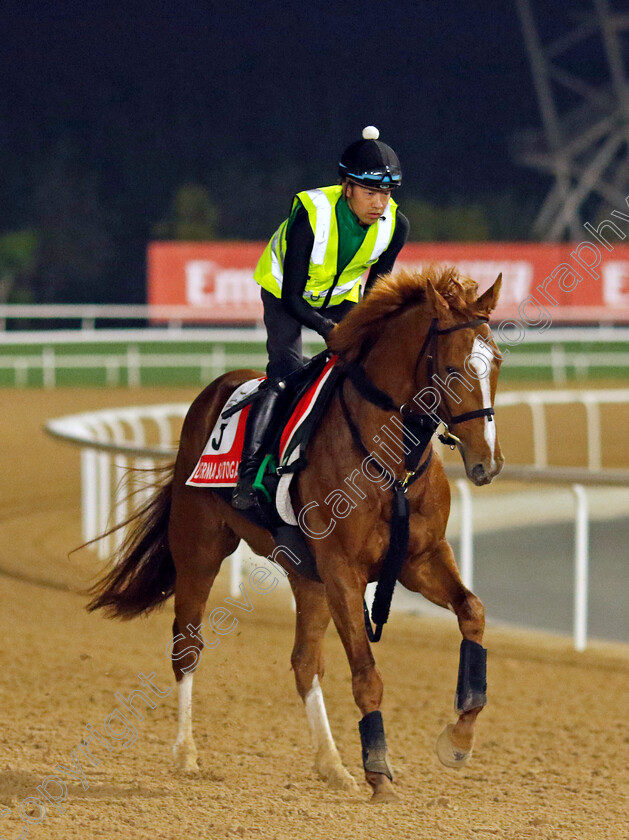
x,y
450,369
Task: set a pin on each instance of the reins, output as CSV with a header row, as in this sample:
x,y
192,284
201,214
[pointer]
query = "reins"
x,y
417,431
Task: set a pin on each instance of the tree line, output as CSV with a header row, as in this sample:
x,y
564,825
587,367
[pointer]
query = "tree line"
x,y
76,236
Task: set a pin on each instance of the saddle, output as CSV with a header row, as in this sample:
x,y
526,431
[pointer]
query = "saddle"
x,y
309,391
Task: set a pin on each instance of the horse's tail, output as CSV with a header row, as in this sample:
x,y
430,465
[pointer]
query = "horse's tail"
x,y
143,574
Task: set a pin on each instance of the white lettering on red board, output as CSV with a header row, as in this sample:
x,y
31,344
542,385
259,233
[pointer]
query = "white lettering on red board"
x,y
208,284
616,283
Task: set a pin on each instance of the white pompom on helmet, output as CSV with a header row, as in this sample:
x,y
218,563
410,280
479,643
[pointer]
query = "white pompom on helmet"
x,y
371,163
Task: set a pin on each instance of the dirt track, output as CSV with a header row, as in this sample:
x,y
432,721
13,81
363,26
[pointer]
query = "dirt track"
x,y
552,751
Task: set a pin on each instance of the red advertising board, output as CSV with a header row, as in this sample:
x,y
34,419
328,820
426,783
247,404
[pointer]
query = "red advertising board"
x,y
581,282
214,278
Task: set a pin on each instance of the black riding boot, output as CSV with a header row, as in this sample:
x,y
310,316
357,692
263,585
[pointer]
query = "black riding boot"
x,y
259,421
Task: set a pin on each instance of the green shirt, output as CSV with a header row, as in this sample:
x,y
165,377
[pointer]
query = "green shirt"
x,y
351,232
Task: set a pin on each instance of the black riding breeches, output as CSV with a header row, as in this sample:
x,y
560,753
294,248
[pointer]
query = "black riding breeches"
x,y
284,334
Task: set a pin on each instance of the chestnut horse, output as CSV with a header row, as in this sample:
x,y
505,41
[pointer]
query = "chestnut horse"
x,y
423,339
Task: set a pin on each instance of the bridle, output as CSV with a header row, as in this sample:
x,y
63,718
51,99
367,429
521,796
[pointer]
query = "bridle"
x,y
424,421
430,348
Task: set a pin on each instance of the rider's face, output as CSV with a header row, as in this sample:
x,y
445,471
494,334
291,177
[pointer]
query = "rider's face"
x,y
368,205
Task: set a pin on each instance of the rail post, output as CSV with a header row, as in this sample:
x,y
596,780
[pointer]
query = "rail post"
x,y
581,567
89,494
467,533
594,432
540,436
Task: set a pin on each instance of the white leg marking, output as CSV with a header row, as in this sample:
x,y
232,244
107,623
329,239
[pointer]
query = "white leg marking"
x,y
327,759
482,366
184,749
318,718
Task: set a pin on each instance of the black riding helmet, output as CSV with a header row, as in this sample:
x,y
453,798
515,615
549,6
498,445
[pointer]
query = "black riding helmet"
x,y
371,163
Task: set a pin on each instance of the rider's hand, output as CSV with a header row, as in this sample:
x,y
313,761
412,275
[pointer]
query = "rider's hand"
x,y
327,330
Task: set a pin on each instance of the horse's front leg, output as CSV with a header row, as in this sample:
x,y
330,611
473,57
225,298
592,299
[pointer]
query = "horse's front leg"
x,y
435,575
345,590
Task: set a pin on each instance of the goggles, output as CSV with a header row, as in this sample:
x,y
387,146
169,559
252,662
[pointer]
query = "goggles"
x,y
385,178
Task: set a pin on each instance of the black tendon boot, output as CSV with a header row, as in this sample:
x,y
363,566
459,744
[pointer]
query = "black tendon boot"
x,y
259,421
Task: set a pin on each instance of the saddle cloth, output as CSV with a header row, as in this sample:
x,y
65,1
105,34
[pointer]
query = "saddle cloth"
x,y
218,465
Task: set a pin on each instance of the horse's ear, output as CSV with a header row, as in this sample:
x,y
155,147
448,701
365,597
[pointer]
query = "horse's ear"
x,y
436,301
487,301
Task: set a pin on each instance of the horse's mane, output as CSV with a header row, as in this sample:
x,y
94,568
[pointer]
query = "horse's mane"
x,y
394,293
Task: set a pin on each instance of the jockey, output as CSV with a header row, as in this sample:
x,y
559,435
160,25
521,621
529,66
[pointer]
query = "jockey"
x,y
310,272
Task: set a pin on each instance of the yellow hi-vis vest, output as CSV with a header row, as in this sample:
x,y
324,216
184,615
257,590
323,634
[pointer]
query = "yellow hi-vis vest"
x,y
320,205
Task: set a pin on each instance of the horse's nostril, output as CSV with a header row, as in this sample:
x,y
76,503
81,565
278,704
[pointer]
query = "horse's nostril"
x,y
478,472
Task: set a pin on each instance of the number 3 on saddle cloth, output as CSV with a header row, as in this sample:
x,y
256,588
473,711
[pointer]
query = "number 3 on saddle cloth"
x,y
217,468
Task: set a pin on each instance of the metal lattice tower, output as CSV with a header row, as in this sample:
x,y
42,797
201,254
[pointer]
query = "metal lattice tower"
x,y
584,106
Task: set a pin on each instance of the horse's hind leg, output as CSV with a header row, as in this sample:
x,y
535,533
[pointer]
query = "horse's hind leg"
x,y
313,617
198,553
435,575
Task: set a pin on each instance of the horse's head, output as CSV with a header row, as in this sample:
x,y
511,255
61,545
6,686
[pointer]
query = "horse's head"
x,y
462,365
451,377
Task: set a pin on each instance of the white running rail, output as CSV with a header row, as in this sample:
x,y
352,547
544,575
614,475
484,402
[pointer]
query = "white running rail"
x,y
119,446
42,355
591,401
121,357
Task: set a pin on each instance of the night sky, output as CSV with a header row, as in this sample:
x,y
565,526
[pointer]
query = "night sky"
x,y
256,101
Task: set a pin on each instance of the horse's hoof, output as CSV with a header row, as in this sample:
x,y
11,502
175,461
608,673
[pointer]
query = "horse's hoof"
x,y
331,770
341,779
382,788
448,753
185,757
381,796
